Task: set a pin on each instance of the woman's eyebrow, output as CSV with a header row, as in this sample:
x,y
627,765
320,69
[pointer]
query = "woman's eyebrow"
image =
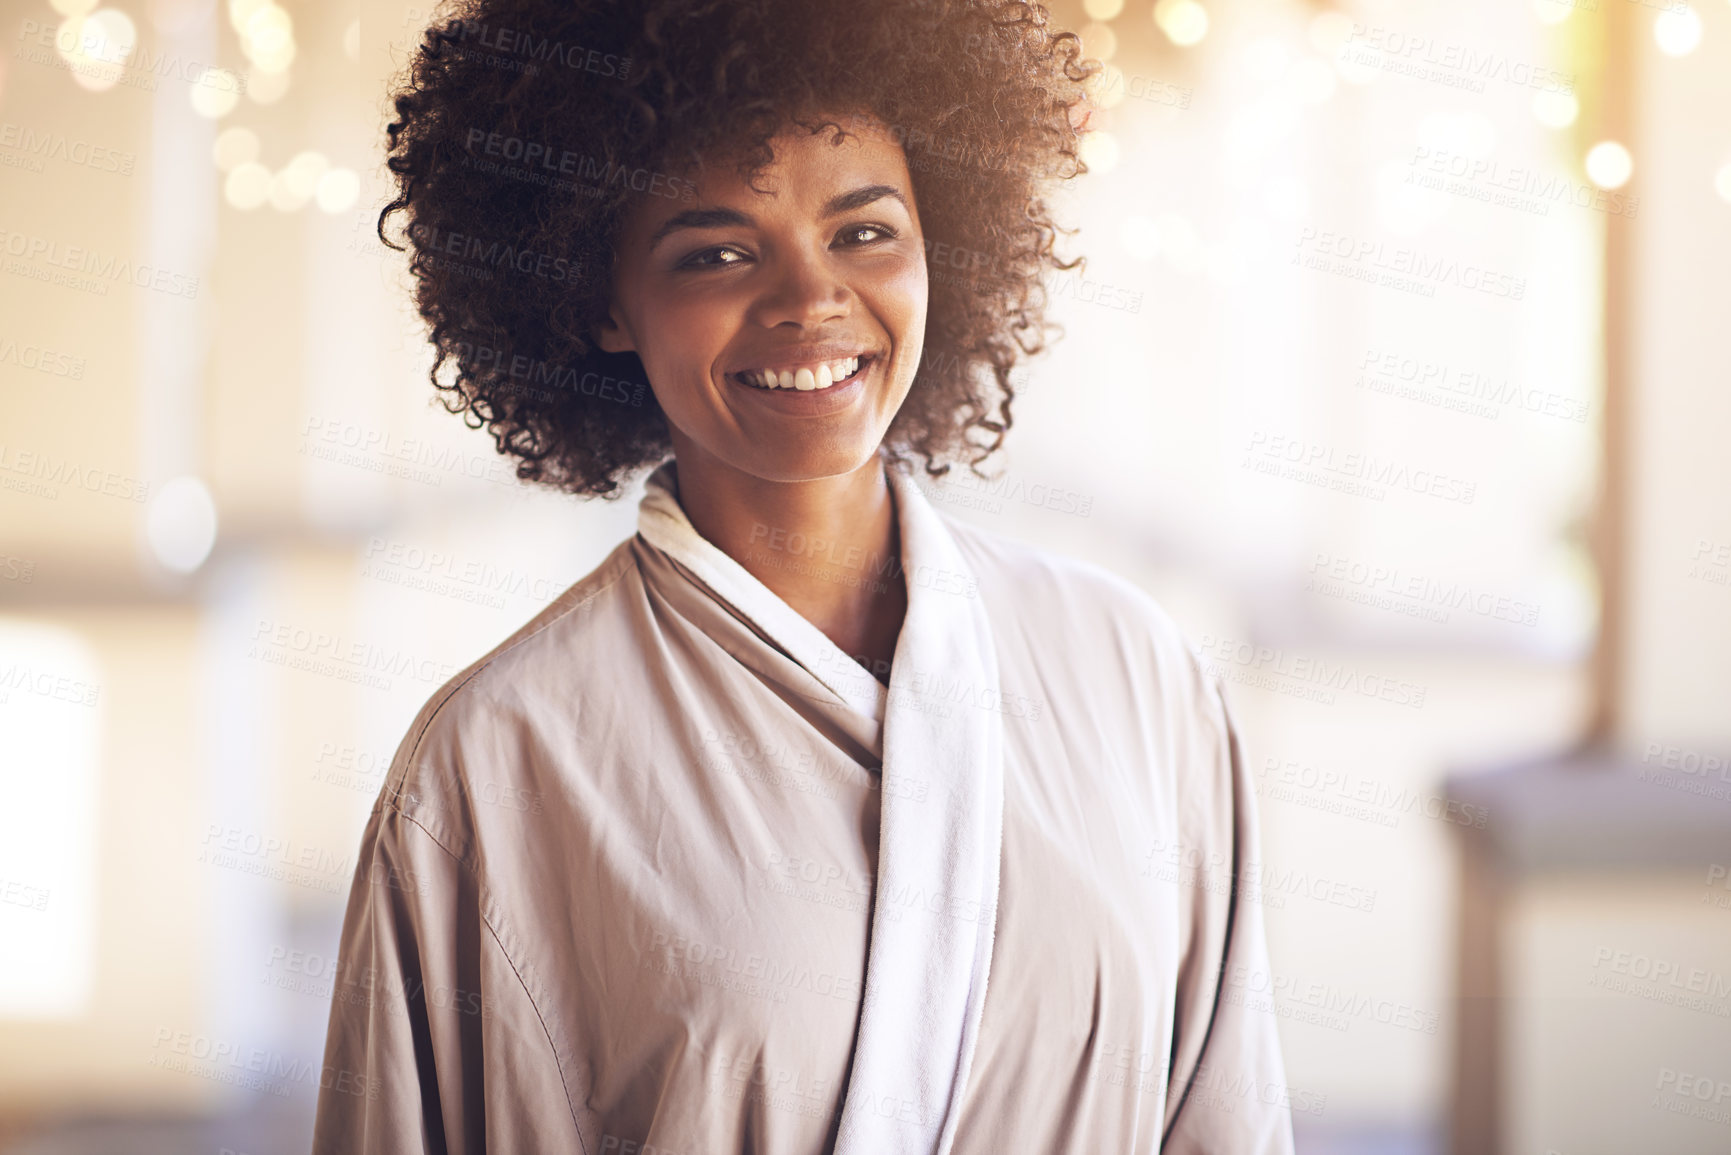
x,y
699,219
859,198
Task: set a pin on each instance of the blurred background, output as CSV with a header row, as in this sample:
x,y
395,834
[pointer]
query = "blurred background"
x,y
1397,372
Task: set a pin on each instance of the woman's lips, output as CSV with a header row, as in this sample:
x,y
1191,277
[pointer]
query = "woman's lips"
x,y
814,402
809,377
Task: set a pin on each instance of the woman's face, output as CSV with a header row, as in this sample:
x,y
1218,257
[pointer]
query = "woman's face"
x,y
780,329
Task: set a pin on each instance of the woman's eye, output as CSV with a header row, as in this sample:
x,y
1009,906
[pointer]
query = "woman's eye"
x,y
711,258
865,234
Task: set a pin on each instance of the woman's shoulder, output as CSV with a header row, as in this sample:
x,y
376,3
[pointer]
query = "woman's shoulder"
x,y
464,731
1045,585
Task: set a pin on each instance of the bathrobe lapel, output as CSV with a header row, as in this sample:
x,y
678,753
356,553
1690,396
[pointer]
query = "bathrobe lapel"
x,y
941,824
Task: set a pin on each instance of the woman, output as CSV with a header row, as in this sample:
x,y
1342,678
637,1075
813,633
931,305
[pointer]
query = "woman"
x,y
811,820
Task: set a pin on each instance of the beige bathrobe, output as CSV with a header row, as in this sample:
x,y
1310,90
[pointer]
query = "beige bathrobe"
x,y
667,873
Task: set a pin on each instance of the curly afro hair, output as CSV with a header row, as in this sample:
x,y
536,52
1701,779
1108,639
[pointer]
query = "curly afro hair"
x,y
525,130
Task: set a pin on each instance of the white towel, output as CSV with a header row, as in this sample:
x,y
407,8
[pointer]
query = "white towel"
x,y
941,828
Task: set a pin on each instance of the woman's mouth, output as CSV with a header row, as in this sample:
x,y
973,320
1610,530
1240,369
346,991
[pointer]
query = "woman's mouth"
x,y
806,378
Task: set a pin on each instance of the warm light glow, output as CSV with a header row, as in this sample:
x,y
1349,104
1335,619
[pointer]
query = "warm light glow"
x,y
1311,81
1185,22
1331,35
1099,41
1286,197
1677,31
1403,207
215,93
1140,238
95,47
1609,164
49,822
181,525
1461,133
1106,88
1181,242
1552,11
352,40
74,7
1264,59
240,11
233,147
1099,151
248,186
303,172
266,87
338,190
1329,32
1556,109
1102,9
1722,182
267,38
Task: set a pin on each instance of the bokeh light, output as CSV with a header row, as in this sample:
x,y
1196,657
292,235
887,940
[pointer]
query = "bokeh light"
x,y
181,525
1609,165
1185,22
1677,31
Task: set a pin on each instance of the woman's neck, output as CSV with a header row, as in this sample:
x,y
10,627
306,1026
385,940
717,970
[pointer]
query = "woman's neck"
x,y
830,547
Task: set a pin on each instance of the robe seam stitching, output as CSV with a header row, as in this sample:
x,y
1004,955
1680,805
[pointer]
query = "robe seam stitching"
x,y
493,932
1212,690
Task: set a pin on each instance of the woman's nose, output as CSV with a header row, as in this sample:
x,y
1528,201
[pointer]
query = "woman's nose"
x,y
803,290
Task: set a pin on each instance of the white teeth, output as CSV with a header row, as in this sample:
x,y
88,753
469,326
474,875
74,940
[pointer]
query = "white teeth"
x,y
805,380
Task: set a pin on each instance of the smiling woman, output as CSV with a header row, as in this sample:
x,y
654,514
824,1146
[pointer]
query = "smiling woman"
x,y
834,825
